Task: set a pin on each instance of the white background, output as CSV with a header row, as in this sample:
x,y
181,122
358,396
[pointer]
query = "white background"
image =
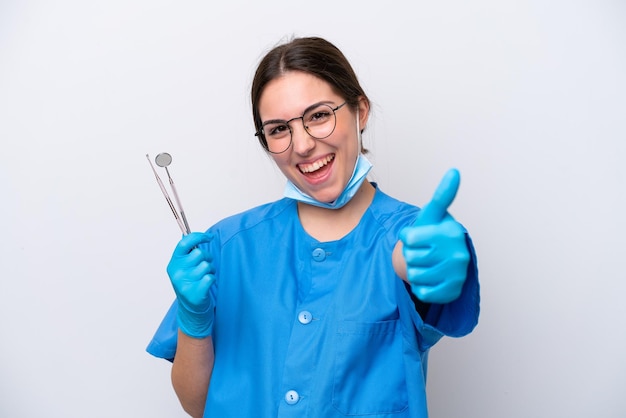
x,y
526,98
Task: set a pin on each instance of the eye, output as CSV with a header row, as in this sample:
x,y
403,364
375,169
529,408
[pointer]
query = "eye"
x,y
319,115
276,130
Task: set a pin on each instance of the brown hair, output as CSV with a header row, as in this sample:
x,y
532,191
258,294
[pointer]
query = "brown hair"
x,y
312,55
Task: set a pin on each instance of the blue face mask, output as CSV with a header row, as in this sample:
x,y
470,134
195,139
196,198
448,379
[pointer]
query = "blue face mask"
x,y
361,168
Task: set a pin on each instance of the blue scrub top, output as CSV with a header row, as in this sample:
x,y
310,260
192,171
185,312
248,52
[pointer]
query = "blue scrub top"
x,y
318,329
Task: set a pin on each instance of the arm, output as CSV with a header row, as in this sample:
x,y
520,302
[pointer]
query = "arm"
x,y
435,257
191,372
399,263
192,275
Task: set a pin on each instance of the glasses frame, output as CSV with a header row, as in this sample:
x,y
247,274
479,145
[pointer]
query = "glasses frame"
x,y
261,134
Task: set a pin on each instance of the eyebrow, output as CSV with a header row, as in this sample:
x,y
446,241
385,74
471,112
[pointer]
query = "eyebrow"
x,y
323,102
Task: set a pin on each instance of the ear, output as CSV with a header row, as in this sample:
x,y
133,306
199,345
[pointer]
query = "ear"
x,y
364,112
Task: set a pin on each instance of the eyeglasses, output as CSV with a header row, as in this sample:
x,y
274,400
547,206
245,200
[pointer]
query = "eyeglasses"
x,y
319,121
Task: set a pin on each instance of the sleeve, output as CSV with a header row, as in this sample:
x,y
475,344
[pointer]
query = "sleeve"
x,y
163,343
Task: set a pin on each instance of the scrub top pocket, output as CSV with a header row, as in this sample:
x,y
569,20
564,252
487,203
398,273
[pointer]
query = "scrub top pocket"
x,y
369,369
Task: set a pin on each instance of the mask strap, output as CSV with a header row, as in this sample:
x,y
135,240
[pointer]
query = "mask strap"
x,y
358,127
359,137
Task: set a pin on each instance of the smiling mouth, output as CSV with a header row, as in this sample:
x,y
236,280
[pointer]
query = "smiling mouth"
x,y
310,168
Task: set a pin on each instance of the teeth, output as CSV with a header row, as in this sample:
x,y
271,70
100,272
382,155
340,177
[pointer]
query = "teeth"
x,y
309,168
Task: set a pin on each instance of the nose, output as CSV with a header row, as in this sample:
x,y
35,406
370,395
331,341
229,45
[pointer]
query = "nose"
x,y
302,142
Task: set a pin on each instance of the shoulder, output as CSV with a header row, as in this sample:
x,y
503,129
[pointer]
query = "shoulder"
x,y
390,212
264,215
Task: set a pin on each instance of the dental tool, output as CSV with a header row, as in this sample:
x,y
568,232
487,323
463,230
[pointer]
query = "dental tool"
x,y
164,160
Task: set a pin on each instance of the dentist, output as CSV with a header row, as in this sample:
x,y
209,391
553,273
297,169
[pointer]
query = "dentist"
x,y
324,303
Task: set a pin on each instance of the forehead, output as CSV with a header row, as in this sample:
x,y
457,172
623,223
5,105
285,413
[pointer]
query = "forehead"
x,y
292,93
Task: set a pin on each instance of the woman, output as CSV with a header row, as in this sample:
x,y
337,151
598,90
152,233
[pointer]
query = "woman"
x,y
324,303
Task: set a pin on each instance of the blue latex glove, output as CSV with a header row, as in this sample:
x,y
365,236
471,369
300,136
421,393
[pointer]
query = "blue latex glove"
x,y
192,274
435,249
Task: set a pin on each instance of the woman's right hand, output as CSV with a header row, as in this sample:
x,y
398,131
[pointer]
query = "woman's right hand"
x,y
191,273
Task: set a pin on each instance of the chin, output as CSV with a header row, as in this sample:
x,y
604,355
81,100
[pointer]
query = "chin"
x,y
325,197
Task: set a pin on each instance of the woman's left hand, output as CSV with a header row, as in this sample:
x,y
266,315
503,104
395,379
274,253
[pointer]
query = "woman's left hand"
x,y
435,248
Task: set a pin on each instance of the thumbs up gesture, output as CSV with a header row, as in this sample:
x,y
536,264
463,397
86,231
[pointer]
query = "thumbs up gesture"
x,y
435,249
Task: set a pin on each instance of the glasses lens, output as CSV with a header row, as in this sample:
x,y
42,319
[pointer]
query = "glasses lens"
x,y
319,121
277,135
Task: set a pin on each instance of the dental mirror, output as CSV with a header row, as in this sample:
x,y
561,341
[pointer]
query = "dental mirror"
x,y
163,160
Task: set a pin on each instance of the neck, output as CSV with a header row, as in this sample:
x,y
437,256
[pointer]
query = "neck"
x,y
332,224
